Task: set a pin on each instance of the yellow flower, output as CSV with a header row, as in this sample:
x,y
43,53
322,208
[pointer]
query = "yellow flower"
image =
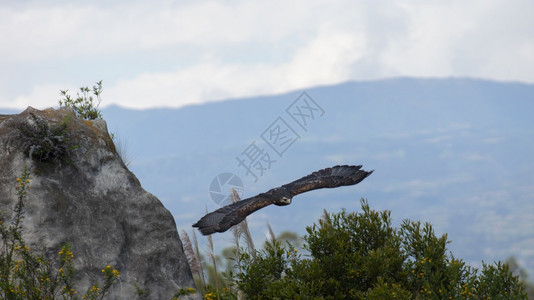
x,y
115,273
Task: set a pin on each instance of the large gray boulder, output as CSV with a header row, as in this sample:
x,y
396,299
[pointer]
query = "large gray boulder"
x,y
83,193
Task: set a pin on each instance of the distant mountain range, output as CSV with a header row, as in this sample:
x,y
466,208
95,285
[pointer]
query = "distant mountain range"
x,y
458,153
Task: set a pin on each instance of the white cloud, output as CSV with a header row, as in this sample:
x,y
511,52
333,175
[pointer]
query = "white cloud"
x,y
425,48
41,96
46,32
488,39
326,59
215,50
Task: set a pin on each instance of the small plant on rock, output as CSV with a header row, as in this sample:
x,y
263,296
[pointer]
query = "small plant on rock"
x,y
43,142
84,104
24,275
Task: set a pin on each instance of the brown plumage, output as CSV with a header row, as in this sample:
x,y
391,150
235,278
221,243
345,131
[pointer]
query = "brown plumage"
x,y
225,217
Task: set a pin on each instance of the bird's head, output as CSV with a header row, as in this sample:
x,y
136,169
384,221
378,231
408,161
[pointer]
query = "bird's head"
x,y
281,196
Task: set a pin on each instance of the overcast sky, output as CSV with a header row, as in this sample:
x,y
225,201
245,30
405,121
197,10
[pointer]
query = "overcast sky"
x,y
173,53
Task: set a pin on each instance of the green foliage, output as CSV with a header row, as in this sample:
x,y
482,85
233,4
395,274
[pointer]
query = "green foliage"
x,y
24,275
84,104
353,251
497,280
183,292
362,256
140,292
266,271
383,290
42,142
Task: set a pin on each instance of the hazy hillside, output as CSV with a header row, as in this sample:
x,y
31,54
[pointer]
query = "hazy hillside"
x,y
455,152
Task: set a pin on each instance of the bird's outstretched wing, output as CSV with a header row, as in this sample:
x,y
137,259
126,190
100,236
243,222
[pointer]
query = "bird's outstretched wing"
x,y
233,214
230,215
328,178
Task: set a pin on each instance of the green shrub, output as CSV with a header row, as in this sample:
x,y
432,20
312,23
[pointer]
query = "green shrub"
x,y
362,256
84,104
497,280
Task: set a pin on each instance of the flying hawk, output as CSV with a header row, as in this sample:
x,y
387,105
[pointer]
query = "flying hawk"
x,y
230,215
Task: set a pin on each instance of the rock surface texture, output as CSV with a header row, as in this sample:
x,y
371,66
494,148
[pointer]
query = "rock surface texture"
x,y
82,193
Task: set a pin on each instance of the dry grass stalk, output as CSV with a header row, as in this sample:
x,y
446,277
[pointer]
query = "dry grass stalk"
x,y
190,254
242,228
